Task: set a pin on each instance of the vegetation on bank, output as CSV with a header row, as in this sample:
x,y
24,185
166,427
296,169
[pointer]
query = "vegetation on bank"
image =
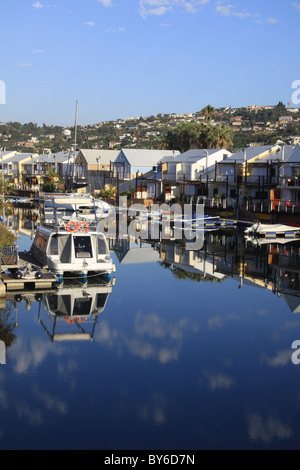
x,y
7,238
209,127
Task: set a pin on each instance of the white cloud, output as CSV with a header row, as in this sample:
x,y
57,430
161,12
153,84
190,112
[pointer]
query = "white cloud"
x,y
106,3
161,7
230,10
272,20
37,5
296,5
89,23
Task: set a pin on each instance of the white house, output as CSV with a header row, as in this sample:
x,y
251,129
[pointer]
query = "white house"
x,y
189,172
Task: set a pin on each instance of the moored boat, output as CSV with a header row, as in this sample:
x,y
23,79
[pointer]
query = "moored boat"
x,y
76,250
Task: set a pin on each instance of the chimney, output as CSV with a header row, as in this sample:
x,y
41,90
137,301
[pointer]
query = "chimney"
x,y
282,154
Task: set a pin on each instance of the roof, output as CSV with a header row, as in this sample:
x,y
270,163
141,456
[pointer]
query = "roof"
x,y
293,155
145,157
59,157
106,156
19,157
6,153
272,152
191,155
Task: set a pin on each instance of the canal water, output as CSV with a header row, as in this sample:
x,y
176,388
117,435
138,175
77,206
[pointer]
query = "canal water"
x,y
182,350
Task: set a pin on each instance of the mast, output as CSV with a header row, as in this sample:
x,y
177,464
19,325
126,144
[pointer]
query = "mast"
x,y
75,139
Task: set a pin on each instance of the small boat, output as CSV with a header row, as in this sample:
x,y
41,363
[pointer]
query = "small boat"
x,y
74,250
273,231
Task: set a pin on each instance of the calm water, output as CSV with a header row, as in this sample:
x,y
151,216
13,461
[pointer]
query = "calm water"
x,y
187,350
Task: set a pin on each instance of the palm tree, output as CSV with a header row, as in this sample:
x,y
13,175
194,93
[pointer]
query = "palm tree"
x,y
209,112
219,137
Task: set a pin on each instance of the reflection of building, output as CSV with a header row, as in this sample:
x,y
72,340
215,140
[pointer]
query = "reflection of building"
x,y
226,255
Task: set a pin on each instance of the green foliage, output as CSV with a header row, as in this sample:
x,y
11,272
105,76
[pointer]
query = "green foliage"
x,y
7,238
194,135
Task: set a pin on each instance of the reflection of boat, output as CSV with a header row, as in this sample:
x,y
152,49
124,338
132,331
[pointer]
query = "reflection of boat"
x,y
273,231
258,241
205,221
74,250
70,313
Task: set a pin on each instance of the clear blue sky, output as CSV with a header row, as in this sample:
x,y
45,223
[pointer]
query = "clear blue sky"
x,y
131,58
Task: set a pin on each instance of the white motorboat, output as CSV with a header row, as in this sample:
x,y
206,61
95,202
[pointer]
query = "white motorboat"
x,y
74,250
77,203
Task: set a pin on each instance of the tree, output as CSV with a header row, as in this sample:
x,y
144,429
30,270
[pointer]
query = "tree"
x,y
209,112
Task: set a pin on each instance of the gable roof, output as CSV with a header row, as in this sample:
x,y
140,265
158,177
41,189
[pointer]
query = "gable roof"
x,y
272,153
294,155
192,155
19,157
59,157
145,157
106,156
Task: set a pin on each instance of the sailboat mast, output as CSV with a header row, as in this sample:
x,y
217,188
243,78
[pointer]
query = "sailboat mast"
x,y
75,139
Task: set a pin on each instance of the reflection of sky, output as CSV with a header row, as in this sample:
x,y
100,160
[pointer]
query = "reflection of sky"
x,y
174,364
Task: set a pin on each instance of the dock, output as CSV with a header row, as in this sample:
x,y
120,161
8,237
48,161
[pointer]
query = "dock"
x,y
10,282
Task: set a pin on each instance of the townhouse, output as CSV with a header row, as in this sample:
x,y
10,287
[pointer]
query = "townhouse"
x,y
93,168
189,173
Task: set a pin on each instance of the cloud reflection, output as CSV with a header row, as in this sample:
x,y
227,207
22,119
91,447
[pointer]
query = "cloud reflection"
x,y
266,430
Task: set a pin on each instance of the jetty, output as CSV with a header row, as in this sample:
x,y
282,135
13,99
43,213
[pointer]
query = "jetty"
x,y
12,262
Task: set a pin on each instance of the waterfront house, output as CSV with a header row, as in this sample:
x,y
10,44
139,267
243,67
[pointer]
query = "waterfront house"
x,y
189,173
251,174
133,163
49,165
289,185
93,168
17,168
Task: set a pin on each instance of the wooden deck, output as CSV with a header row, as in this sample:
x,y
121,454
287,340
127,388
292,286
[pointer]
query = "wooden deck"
x,y
11,282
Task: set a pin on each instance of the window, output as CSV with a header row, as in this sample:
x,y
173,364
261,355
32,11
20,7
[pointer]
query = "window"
x,y
54,246
102,248
83,247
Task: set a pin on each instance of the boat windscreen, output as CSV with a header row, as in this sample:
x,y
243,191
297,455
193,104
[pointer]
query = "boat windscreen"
x,y
83,247
102,246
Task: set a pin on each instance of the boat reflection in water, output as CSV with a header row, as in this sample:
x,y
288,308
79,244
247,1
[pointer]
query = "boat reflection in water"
x,y
71,313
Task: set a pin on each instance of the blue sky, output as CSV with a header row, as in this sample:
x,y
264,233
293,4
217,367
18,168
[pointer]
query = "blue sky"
x,y
131,58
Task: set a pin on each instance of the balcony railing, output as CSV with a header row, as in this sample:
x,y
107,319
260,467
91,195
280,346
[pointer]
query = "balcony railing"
x,y
255,180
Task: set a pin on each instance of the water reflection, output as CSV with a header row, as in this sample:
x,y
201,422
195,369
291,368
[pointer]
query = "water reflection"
x,y
194,346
